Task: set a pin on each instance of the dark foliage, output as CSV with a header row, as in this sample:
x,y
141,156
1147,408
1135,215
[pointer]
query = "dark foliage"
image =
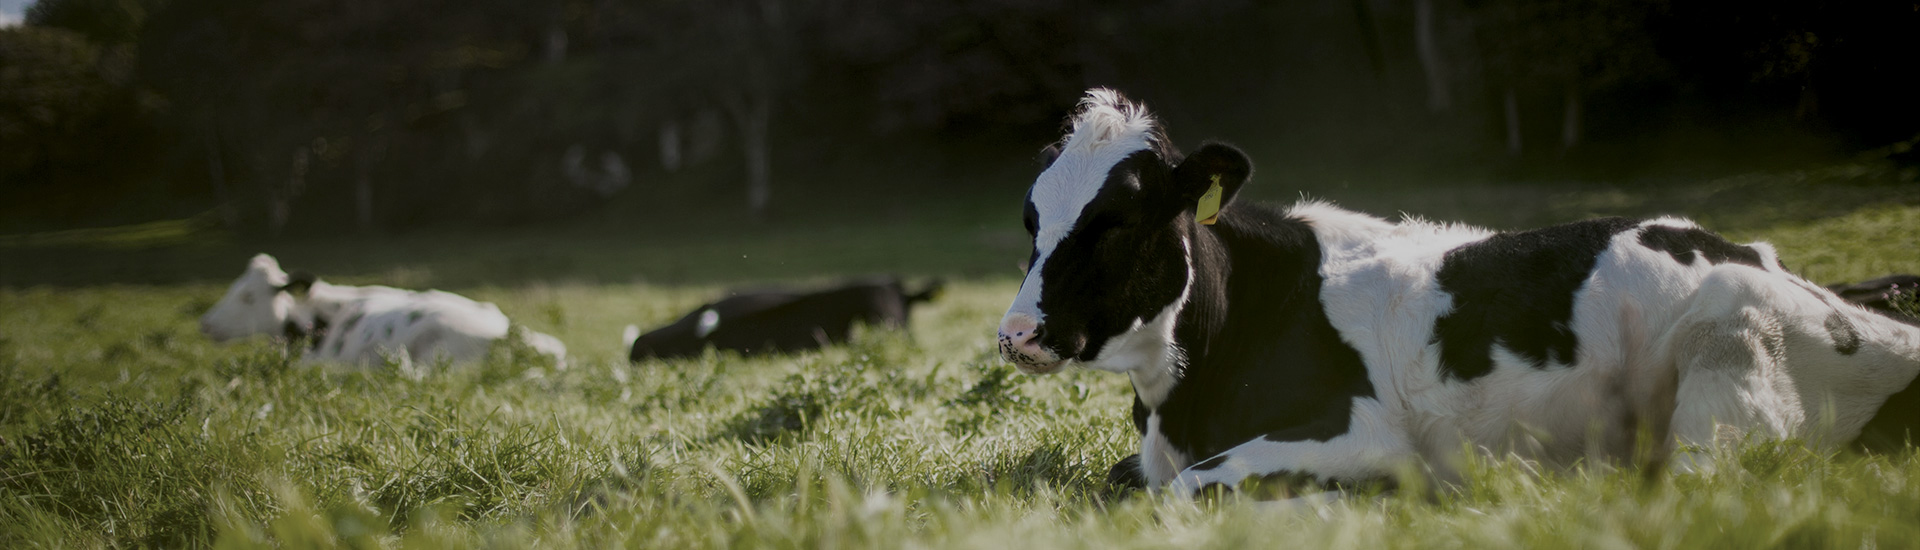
x,y
313,116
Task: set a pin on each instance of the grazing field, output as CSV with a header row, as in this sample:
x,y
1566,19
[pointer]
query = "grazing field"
x,y
121,426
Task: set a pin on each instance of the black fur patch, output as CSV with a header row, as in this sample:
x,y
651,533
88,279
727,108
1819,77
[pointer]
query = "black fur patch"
x,y
1846,339
312,337
1126,473
1263,359
292,331
1517,289
1685,244
299,283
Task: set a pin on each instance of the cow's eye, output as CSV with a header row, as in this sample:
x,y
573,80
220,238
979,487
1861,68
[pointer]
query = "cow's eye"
x,y
1031,218
246,298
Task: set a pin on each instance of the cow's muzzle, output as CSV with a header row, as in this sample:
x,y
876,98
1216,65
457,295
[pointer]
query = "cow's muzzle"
x,y
1020,345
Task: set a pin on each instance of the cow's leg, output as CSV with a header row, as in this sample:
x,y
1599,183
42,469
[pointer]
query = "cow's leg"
x,y
1764,355
1370,450
1127,474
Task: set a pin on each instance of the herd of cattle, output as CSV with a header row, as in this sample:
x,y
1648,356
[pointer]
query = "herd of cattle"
x,y
1309,342
371,325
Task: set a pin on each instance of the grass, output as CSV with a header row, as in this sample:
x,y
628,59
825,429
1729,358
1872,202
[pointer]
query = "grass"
x,y
121,427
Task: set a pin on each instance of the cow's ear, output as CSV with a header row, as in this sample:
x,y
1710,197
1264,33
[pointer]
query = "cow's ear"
x,y
298,283
1047,155
1212,162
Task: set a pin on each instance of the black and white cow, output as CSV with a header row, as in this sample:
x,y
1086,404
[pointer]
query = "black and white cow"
x,y
1887,294
361,324
1321,344
781,320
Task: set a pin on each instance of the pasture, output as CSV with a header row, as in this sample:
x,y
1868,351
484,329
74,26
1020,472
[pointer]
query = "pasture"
x,y
121,426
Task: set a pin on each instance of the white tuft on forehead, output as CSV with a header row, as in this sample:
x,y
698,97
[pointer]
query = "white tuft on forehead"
x,y
1106,119
1105,130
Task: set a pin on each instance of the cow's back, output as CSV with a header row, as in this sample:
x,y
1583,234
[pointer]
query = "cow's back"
x,y
815,319
426,325
1497,339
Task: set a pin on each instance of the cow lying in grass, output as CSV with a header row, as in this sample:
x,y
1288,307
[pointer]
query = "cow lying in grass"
x,y
361,324
1896,295
771,321
1322,345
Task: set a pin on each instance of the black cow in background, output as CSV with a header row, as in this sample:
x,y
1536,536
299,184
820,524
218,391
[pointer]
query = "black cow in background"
x,y
1885,295
781,320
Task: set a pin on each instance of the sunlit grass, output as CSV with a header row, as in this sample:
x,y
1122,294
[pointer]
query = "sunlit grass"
x,y
157,233
120,426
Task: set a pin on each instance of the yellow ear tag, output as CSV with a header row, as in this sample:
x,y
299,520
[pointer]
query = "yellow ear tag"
x,y
1209,210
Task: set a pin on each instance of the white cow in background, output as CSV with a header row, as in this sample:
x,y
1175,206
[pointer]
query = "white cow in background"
x,y
362,324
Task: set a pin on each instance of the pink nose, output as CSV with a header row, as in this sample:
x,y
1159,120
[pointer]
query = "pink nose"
x,y
1020,334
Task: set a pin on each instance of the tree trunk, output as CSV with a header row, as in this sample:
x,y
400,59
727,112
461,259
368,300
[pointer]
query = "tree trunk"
x,y
1439,98
363,202
1369,37
1512,109
670,145
1570,130
1809,104
280,201
217,172
556,43
751,111
363,184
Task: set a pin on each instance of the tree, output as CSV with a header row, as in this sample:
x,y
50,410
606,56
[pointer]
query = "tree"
x,y
1574,47
52,99
107,22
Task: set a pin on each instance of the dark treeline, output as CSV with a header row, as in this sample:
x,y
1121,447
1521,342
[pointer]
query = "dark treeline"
x,y
379,115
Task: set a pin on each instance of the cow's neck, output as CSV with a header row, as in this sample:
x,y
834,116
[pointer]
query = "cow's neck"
x,y
1193,318
1202,316
323,302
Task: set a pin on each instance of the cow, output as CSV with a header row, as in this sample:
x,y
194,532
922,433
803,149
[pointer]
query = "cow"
x,y
1329,347
1897,295
781,320
366,325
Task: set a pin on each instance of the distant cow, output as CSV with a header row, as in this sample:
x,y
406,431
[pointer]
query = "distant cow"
x,y
1316,344
1883,294
769,321
361,324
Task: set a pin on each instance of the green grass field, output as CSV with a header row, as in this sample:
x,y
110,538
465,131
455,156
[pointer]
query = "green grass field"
x,y
120,426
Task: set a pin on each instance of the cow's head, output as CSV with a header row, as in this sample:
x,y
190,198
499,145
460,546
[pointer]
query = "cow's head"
x,y
261,301
1111,218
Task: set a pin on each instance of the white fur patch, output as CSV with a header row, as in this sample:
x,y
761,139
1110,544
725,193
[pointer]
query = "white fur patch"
x,y
1159,460
709,321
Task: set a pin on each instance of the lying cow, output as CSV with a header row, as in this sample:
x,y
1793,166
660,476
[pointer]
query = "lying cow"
x,y
361,324
770,321
1886,294
1319,344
